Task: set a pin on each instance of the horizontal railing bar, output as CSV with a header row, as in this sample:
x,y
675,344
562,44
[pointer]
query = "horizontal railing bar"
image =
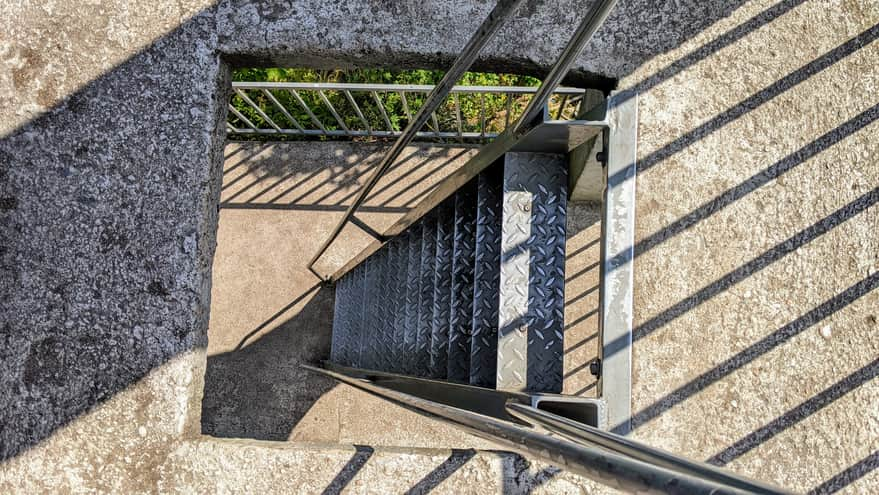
x,y
407,88
352,132
604,466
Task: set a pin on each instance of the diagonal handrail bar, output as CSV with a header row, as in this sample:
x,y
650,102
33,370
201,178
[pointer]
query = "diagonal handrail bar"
x,y
502,11
526,121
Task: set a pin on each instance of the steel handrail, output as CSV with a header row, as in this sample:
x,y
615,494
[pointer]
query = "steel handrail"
x,y
503,10
605,466
584,32
581,433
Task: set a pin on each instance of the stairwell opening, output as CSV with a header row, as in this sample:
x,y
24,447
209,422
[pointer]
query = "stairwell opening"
x,y
299,142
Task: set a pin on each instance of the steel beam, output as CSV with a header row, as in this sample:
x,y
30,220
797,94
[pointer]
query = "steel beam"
x,y
617,247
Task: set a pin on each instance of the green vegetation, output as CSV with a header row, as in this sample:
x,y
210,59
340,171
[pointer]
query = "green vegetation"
x,y
495,106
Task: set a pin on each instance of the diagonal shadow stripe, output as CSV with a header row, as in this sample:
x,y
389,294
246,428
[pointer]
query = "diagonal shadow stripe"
x,y
864,467
757,264
797,414
714,46
758,349
350,470
756,181
457,459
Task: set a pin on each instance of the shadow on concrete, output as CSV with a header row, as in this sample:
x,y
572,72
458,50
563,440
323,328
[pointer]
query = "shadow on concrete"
x,y
258,390
797,414
848,476
456,459
61,361
350,470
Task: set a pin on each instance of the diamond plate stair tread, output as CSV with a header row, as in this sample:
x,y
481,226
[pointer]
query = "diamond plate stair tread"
x,y
462,284
530,339
413,291
442,302
486,278
425,296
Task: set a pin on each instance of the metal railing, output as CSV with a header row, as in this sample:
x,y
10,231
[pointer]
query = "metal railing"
x,y
503,10
604,457
359,110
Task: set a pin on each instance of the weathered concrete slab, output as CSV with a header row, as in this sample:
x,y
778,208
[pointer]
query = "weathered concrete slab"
x,y
755,281
263,467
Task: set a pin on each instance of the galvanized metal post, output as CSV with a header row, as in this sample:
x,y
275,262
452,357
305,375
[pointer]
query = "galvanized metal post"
x,y
617,248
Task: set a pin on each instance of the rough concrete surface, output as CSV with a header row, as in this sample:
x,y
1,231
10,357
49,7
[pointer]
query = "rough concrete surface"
x,y
755,270
236,466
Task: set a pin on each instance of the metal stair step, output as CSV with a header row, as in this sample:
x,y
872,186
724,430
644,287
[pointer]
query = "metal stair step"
x,y
425,296
442,295
486,278
413,292
462,283
530,338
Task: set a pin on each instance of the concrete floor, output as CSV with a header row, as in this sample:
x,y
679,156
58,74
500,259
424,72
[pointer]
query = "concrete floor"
x,y
269,314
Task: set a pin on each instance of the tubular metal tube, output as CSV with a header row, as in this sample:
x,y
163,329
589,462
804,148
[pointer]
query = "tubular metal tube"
x,y
581,433
409,88
612,469
358,112
243,118
253,105
305,107
587,28
503,10
330,106
405,105
381,108
458,114
282,108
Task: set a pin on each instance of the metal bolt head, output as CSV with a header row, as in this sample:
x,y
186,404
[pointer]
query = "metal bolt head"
x,y
526,207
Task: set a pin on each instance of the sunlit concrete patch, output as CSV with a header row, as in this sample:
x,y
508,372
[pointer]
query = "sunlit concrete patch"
x,y
64,46
755,223
117,445
269,314
581,297
232,466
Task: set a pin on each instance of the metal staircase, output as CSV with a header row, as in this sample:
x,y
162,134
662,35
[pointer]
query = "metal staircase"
x,y
471,293
456,311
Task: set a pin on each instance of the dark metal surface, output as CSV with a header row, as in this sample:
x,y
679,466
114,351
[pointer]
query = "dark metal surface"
x,y
442,290
581,433
486,278
425,297
462,284
605,466
530,339
550,137
413,291
503,10
477,399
